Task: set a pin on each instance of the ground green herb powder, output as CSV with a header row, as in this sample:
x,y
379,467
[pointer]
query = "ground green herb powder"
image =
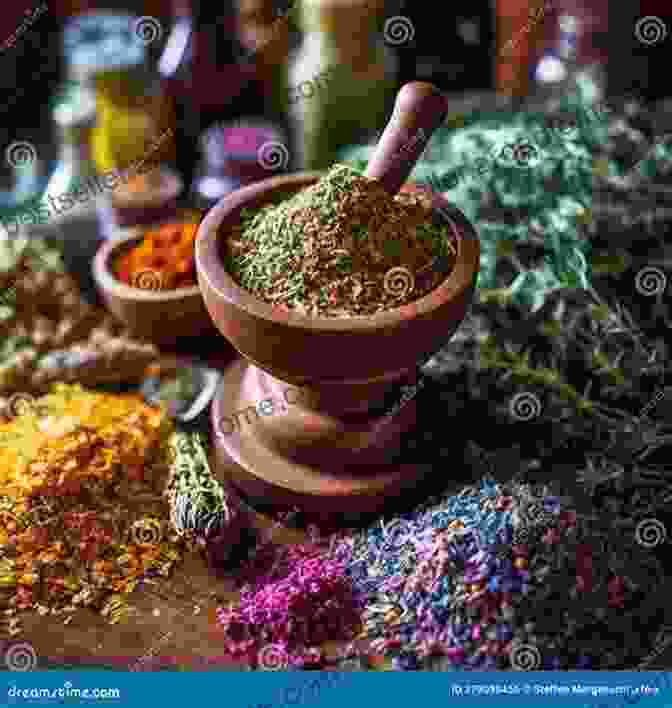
x,y
342,247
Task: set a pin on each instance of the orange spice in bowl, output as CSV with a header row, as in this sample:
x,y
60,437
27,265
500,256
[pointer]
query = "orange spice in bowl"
x,y
165,255
145,277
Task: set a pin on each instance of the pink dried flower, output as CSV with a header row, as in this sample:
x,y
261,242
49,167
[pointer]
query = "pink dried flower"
x,y
295,597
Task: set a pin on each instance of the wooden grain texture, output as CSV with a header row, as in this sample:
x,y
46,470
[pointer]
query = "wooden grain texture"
x,y
173,620
420,108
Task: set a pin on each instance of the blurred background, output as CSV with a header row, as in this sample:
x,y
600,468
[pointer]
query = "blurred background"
x,y
89,86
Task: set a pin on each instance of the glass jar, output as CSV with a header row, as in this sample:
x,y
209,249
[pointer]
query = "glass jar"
x,y
342,82
108,52
135,120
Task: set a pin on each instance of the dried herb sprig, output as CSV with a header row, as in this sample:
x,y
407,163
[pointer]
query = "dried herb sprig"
x,y
198,502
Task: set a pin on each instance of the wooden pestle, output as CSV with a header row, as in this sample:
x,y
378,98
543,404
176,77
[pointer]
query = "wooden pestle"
x,y
419,110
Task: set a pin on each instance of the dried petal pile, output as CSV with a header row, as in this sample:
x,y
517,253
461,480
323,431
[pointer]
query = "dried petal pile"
x,y
81,508
328,250
497,578
288,610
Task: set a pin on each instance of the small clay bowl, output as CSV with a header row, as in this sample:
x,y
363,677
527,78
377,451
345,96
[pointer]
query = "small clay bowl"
x,y
160,316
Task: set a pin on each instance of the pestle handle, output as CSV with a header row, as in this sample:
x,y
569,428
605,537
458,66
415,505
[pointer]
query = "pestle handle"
x,y
419,110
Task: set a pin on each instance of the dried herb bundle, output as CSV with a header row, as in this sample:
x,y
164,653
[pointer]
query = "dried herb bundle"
x,y
331,249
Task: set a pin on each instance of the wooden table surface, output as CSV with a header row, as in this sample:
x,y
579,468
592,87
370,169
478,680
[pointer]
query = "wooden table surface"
x,y
172,620
182,605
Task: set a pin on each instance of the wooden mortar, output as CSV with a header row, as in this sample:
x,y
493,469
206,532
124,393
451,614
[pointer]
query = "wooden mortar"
x,y
296,422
